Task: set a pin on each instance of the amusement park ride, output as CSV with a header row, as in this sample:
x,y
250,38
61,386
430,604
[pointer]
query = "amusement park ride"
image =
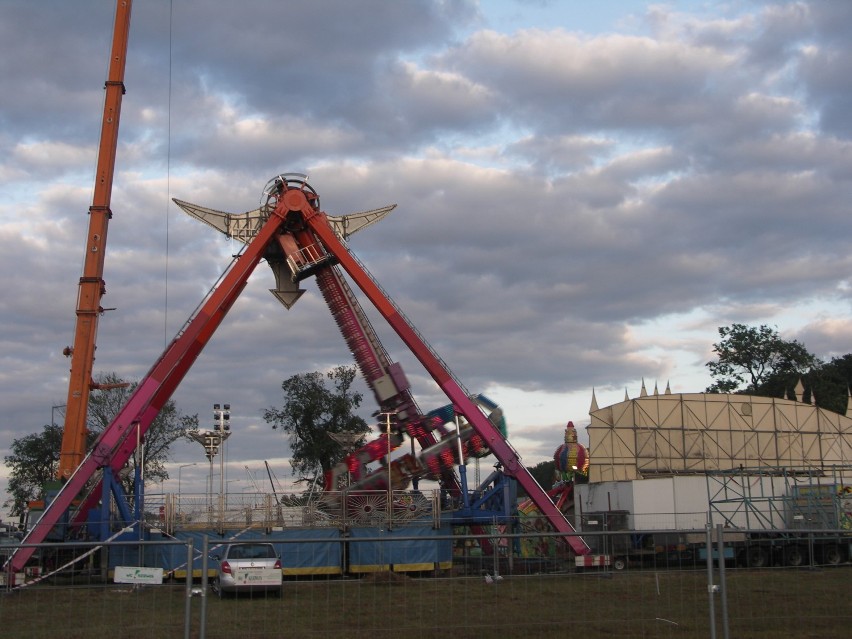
x,y
298,240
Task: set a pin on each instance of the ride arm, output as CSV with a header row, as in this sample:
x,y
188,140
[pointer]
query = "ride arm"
x,y
385,378
508,457
117,442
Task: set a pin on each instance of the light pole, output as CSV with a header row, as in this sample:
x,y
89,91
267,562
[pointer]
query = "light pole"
x,y
222,426
348,440
180,470
212,441
390,475
228,483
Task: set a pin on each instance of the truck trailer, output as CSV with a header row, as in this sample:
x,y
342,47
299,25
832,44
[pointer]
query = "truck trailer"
x,y
769,516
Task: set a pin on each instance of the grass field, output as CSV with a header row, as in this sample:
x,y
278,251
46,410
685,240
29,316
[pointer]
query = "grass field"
x,y
772,604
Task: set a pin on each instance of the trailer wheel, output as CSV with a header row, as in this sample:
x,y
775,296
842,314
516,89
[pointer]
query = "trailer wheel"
x,y
832,555
619,563
794,556
756,557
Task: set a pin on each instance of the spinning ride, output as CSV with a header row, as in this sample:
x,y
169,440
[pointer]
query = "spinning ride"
x,y
299,240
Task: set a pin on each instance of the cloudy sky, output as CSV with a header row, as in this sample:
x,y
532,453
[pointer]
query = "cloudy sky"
x,y
586,192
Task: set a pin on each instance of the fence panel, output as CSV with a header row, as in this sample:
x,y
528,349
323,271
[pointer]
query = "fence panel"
x,y
491,586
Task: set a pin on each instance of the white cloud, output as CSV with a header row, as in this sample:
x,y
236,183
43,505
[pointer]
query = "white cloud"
x,y
576,209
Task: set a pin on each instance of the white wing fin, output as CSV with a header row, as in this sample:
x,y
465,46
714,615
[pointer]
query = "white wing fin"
x,y
346,225
239,226
244,226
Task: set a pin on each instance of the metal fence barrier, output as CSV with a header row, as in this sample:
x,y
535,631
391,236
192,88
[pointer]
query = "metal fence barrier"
x,y
661,584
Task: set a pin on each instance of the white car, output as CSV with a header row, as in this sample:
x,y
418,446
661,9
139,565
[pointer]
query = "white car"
x,y
248,567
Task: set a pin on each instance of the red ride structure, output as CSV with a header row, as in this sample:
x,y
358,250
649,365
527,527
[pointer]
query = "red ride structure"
x,y
298,240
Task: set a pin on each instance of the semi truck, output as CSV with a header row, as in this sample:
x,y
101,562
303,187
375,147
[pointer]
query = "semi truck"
x,y
769,516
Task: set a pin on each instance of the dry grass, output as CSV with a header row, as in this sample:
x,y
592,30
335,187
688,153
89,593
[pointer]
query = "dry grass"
x,y
762,604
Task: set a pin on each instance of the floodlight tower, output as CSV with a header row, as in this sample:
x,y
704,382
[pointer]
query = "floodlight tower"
x,y
212,441
222,427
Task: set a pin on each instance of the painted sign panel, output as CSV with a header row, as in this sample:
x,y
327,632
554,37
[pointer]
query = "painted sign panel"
x,y
257,576
138,575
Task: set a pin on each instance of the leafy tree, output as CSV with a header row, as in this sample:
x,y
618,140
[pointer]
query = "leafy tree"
x,y
34,462
544,473
828,384
756,360
316,404
546,476
35,458
169,426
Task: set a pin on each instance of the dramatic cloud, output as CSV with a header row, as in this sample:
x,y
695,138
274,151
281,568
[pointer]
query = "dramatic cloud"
x,y
581,202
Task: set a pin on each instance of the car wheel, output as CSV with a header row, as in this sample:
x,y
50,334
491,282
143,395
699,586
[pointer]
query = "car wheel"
x,y
619,563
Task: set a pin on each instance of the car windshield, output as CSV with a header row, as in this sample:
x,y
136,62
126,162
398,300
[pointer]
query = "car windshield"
x,y
251,551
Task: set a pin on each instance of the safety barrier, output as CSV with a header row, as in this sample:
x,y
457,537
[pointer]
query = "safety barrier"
x,y
512,584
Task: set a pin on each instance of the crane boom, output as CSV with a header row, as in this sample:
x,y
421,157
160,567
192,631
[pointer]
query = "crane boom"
x,y
92,286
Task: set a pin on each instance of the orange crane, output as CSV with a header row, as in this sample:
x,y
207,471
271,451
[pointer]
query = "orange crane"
x,y
92,286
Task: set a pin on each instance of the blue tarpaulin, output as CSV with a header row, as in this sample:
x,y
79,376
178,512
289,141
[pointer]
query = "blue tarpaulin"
x,y
412,548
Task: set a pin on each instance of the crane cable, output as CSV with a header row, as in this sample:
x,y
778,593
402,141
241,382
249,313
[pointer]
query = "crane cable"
x,y
168,177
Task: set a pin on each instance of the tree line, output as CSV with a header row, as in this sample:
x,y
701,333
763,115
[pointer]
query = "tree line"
x,y
752,360
755,360
34,459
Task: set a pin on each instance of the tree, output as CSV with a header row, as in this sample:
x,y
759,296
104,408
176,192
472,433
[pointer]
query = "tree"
x,y
35,458
544,473
754,357
828,384
34,462
316,404
169,426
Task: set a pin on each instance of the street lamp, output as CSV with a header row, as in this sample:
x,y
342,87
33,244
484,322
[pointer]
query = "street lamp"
x,y
387,417
228,483
180,470
348,440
